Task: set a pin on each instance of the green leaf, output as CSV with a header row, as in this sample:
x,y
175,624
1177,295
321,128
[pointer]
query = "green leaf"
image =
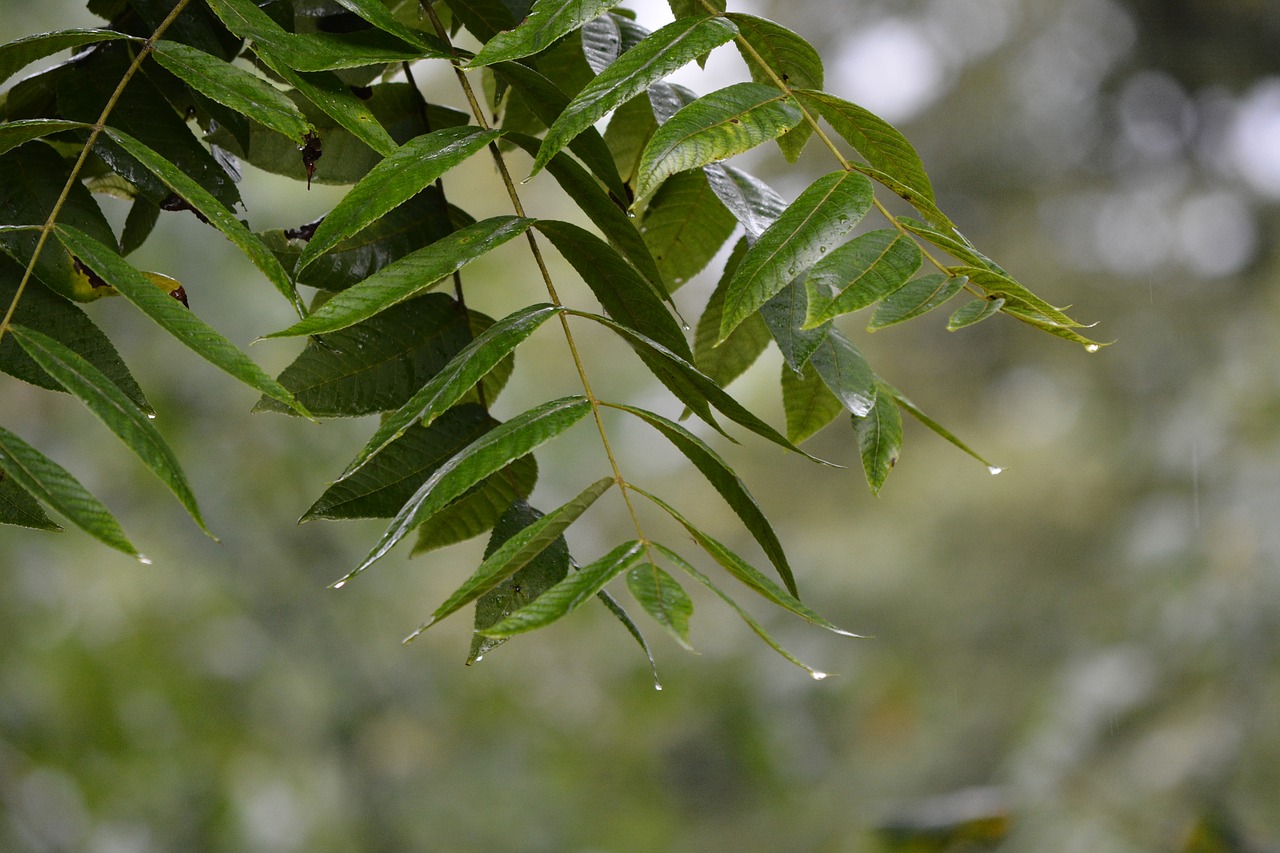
x,y
846,372
54,486
1016,296
755,626
478,510
138,224
316,51
607,37
810,405
1044,324
16,55
379,489
730,359
878,142
612,605
784,316
234,87
663,599
695,8
376,365
449,383
517,551
789,57
629,130
335,99
170,314
377,13
685,225
727,483
715,127
15,133
101,396
951,241
485,18
212,210
408,170
744,572
408,276
748,198
570,593
914,298
879,435
487,454
548,20
823,214
860,272
655,57
46,312
625,294
974,311
939,429
19,508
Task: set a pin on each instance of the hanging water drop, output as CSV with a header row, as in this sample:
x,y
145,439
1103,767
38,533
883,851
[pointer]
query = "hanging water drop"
x,y
144,559
151,416
1091,348
339,585
993,470
818,676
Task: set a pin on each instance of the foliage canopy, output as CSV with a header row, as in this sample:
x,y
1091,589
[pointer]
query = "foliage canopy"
x,y
162,105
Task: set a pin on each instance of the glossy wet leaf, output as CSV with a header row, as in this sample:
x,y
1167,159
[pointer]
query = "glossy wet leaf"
x,y
655,57
753,202
607,37
405,173
937,428
611,604
713,128
478,510
915,298
569,594
517,551
845,371
739,351
663,599
15,133
725,481
18,54
171,315
54,486
234,87
860,273
452,381
879,435
378,364
974,311
408,276
377,13
810,405
685,225
783,316
109,404
548,20
811,226
487,454
19,508
1016,295
334,98
786,56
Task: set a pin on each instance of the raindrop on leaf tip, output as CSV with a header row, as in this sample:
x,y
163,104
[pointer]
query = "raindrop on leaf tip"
x,y
1091,348
145,560
818,676
339,585
994,469
151,416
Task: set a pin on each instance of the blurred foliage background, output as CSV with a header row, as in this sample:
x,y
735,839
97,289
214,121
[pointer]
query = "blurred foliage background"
x,y
1077,655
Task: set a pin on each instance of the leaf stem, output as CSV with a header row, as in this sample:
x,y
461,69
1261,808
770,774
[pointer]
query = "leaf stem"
x,y
478,111
94,133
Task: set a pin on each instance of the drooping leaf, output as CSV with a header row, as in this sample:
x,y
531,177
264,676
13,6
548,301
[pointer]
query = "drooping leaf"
x,y
788,58
611,604
725,481
846,372
916,297
626,295
491,452
405,173
548,20
16,55
607,37
1016,295
54,486
656,56
730,359
378,364
478,510
879,434
859,273
234,87
408,276
171,315
744,572
810,405
516,551
715,127
54,316
449,383
685,225
784,316
663,599
1039,321
748,198
755,626
15,133
138,225
974,311
937,428
101,396
19,508
569,594
212,210
379,489
813,224
667,99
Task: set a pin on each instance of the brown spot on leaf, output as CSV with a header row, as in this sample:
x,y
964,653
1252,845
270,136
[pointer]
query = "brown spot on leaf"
x,y
310,154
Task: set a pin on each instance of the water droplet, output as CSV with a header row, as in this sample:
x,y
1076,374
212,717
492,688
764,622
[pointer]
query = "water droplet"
x,y
818,676
1091,348
144,559
678,280
478,659
685,326
151,416
822,249
993,470
339,584
657,686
